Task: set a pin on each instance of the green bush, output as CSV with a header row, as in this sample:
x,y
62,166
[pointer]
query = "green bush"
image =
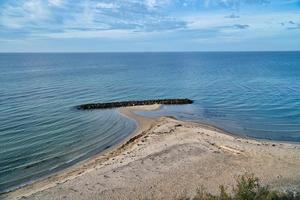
x,y
247,188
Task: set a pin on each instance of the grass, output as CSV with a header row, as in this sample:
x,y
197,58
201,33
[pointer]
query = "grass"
x,y
247,188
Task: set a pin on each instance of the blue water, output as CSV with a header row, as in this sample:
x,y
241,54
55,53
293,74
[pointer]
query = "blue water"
x,y
252,94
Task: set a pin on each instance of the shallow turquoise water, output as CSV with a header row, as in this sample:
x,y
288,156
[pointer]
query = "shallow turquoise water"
x,y
253,94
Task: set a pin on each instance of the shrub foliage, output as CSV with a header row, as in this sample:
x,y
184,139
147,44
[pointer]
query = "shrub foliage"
x,y
247,188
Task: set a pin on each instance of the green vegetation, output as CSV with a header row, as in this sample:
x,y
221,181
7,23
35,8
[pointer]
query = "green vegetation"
x,y
247,188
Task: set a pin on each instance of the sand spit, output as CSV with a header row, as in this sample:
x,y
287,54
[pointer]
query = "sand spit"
x,y
166,158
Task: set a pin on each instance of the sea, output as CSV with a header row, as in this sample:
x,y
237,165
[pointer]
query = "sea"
x,y
249,94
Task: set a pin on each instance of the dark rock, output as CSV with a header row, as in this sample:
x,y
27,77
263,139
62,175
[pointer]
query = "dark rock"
x,y
133,103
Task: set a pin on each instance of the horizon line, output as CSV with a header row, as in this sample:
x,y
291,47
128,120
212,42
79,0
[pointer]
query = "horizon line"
x,y
229,51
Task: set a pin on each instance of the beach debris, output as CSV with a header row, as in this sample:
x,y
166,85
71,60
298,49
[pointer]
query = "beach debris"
x,y
230,149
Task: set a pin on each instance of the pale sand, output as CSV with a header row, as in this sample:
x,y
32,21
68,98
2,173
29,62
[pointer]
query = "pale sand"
x,y
167,158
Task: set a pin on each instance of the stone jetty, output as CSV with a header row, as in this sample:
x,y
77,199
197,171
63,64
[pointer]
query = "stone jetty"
x,y
91,106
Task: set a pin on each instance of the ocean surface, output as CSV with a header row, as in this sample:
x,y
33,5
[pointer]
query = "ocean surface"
x,y
255,94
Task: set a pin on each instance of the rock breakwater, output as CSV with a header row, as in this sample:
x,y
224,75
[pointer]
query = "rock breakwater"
x,y
91,106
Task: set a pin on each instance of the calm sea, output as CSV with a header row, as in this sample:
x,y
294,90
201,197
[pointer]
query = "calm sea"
x,y
250,94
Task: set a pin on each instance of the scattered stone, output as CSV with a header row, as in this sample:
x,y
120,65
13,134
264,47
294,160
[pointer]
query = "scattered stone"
x,y
178,125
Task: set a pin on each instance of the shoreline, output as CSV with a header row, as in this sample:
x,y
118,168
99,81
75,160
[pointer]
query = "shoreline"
x,y
234,145
142,124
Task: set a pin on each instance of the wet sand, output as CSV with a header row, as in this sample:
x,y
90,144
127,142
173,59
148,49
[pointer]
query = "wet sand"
x,y
166,158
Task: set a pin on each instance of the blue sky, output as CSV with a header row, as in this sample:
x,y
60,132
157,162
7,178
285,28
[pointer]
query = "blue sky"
x,y
149,25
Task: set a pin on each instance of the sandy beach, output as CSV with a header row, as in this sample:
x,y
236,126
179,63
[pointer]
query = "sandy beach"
x,y
166,158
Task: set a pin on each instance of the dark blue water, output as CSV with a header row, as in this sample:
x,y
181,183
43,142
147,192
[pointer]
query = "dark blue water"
x,y
252,94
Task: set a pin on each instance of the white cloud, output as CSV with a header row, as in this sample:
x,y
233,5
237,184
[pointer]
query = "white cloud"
x,y
262,20
56,3
263,25
152,4
233,4
102,5
21,15
132,18
104,34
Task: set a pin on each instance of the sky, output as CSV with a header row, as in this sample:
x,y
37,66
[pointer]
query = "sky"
x,y
149,25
